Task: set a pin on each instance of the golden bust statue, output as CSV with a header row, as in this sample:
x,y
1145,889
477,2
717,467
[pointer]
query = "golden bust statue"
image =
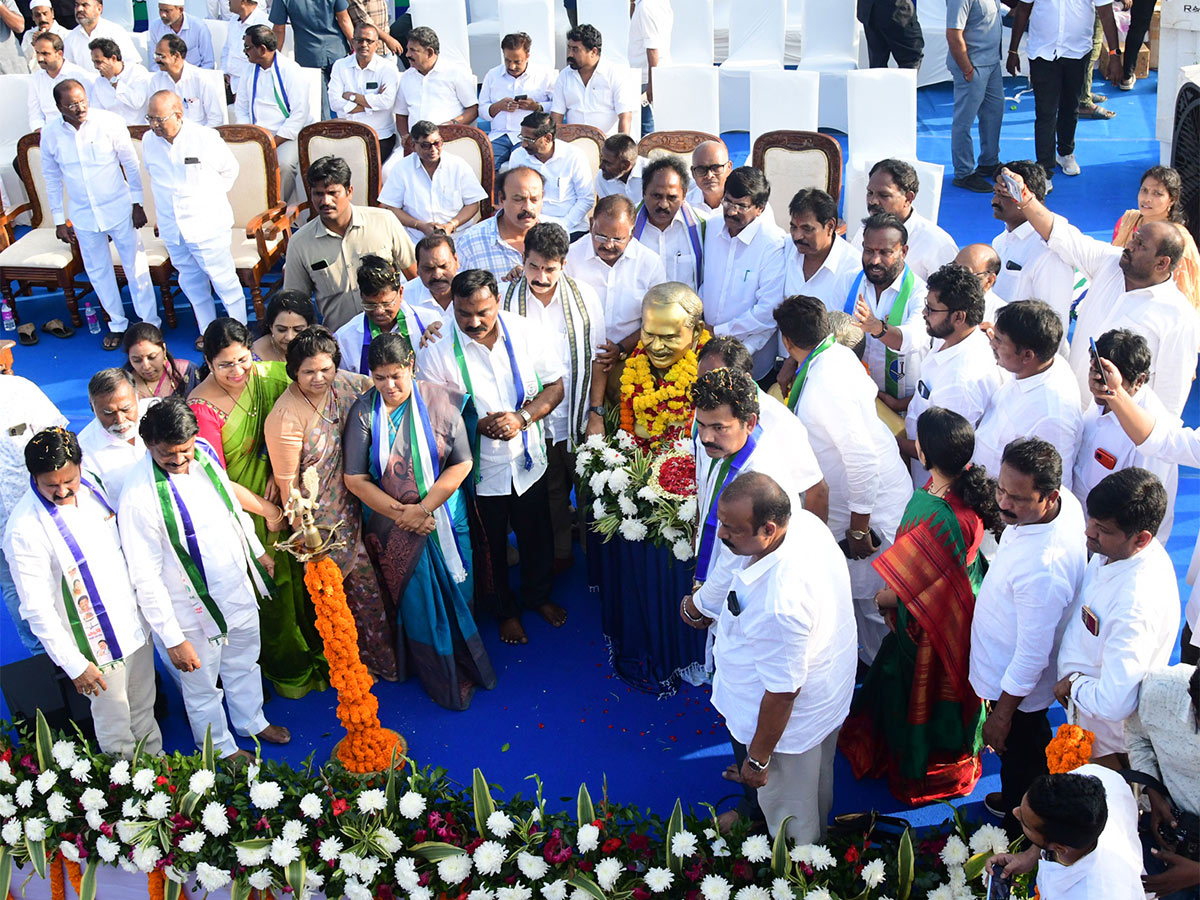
x,y
671,317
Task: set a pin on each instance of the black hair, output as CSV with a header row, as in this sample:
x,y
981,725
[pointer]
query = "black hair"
x,y
108,48
389,349
1073,808
262,36
1036,458
468,281
902,173
548,239
152,334
727,387
948,442
431,242
312,341
51,449
1170,179
1031,325
881,220
1170,245
540,122
615,205
328,170
814,200
748,182
54,41
169,423
224,332
291,301
60,90
175,44
621,144
588,35
1031,173
669,161
426,37
377,275
106,381
502,179
1133,498
803,320
958,289
518,40
768,501
422,129
1127,350
732,352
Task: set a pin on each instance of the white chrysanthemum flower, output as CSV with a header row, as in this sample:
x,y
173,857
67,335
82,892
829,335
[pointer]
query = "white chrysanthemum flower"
x,y
647,493
313,879
962,892
532,867
368,868
633,529
687,510
266,794
12,832
119,773
372,801
682,550
284,852
518,891
7,807
756,848
69,850
555,890
260,879
131,809
753,892
872,873
107,848
955,852
453,870
989,839
482,894
158,806
248,858
405,871
201,781
94,819
684,844
714,887
146,857
659,879
594,442
331,849
941,892
599,510
211,878
597,482
351,863
127,831
583,459
310,806
24,794
81,769
35,829
57,808
802,853
958,877
143,780
411,805
93,799
64,754
214,820
294,831
489,857
781,889
386,838
420,892
193,842
587,838
720,847
625,439
6,775
46,780
499,824
627,506
818,893
126,864
608,870
822,859
619,481
672,534
612,458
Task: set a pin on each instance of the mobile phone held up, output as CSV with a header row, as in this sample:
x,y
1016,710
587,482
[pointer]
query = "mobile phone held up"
x,y
1010,184
1095,355
999,887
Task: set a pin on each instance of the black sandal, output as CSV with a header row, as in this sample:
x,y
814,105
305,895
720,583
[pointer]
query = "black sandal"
x,y
112,340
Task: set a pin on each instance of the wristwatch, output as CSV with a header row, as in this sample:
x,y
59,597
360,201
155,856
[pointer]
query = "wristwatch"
x,y
857,535
598,410
882,331
756,765
526,418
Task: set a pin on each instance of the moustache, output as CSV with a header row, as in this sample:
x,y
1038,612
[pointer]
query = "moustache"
x,y
121,430
62,498
540,284
874,208
727,544
1008,515
526,215
478,329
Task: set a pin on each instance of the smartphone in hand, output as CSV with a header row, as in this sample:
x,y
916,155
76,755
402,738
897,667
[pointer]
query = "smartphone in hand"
x,y
1010,183
999,887
1095,355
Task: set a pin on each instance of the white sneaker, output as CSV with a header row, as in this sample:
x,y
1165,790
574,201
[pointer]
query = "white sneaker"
x,y
1068,164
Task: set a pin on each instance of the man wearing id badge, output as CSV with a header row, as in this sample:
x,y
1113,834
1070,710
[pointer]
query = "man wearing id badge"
x,y
64,549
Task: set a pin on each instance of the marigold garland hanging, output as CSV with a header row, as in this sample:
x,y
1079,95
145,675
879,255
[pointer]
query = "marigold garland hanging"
x,y
663,408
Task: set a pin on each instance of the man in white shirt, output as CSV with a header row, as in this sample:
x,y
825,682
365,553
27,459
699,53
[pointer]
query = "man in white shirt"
x,y
1020,613
91,25
192,31
619,269
892,188
363,87
437,264
514,378
191,172
431,90
868,484
123,87
42,14
887,300
1132,288
1028,270
498,244
53,69
110,442
650,46
667,224
202,99
274,94
200,594
1039,400
1059,51
592,90
568,194
822,260
784,653
569,316
65,553
959,373
246,13
511,91
1125,617
710,167
430,191
743,268
620,168
385,310
90,154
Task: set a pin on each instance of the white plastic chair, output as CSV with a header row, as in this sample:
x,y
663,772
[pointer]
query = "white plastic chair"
x,y
197,8
756,35
882,108
121,12
929,197
782,99
313,77
795,35
449,19
933,28
611,19
14,122
536,19
217,77
830,47
483,34
686,98
692,33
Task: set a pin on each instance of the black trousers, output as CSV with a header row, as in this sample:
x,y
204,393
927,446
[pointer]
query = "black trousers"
x,y
1056,85
1139,24
1188,652
892,29
386,146
528,515
1023,760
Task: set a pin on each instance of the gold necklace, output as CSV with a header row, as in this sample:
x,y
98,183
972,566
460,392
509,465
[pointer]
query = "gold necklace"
x,y
252,413
332,421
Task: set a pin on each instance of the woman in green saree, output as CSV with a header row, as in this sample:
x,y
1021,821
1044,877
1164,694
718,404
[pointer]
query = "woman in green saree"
x,y
231,405
916,718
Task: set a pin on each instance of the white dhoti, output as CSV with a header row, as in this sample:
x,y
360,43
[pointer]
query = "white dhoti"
x,y
800,785
124,713
236,663
288,154
201,263
97,261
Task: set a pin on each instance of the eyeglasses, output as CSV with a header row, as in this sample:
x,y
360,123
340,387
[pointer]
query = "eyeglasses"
x,y
738,207
933,310
160,120
605,239
702,171
429,145
242,363
534,138
76,107
374,307
363,41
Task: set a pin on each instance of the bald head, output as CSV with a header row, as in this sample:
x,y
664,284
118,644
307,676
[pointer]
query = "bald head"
x,y
165,114
981,261
710,168
1165,238
710,153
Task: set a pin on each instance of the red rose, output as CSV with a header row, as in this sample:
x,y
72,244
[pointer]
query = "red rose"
x,y
611,845
851,854
161,780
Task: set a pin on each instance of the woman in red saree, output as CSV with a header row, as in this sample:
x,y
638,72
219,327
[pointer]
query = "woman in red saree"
x,y
916,719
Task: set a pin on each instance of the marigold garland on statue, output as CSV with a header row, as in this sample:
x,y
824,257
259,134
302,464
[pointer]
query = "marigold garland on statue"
x,y
661,409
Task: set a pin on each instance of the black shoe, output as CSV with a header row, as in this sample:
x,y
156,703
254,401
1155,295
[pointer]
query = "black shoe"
x,y
988,172
974,182
994,803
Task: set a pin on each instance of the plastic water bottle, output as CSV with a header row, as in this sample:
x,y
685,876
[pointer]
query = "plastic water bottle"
x,y
93,320
10,321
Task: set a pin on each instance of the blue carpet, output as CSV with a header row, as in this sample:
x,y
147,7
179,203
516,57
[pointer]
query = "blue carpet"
x,y
558,710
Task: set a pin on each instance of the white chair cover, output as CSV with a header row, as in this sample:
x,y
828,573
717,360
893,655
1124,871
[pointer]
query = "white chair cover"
x,y
141,40
795,35
882,109
218,30
686,98
933,27
721,15
692,33
611,17
830,47
929,197
449,19
782,99
756,38
483,35
536,19
14,123
217,77
121,12
314,93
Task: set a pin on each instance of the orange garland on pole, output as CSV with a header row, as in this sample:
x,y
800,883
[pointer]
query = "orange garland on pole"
x,y
156,884
75,876
58,890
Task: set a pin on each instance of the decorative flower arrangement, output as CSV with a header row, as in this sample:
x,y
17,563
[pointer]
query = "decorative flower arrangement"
x,y
641,496
663,408
293,832
1069,749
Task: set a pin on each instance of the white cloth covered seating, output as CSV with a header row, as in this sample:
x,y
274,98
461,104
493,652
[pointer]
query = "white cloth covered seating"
x,y
756,36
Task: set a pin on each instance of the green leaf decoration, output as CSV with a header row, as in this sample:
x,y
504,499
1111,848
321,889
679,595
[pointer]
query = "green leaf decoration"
x,y
481,794
6,870
585,813
905,864
172,889
208,756
44,742
37,856
586,884
295,875
240,889
436,851
674,826
87,884
973,867
779,850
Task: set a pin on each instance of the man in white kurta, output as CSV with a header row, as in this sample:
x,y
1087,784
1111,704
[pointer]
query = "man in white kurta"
x,y
668,225
817,261
91,25
245,14
41,13
384,311
110,442
89,154
52,68
437,264
191,172
592,90
208,621
202,96
65,553
620,169
1124,620
122,85
433,89
785,652
568,194
363,86
171,19
517,76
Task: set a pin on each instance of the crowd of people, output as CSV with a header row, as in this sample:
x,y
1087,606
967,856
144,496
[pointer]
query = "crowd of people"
x,y
922,468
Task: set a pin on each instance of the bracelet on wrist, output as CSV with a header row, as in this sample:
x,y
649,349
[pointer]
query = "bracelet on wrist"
x,y
421,504
693,619
882,331
756,765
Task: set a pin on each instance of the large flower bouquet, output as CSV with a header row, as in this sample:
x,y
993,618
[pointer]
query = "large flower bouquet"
x,y
641,496
292,833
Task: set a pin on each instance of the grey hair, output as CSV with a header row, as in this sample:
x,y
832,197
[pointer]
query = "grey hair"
x,y
106,381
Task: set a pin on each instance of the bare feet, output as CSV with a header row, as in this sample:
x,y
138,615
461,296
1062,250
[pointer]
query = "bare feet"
x,y
239,757
732,773
511,631
275,734
553,613
726,820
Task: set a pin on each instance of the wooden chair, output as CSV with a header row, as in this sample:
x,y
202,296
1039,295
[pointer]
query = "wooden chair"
x,y
356,143
792,160
587,138
156,251
37,258
471,144
260,221
678,142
